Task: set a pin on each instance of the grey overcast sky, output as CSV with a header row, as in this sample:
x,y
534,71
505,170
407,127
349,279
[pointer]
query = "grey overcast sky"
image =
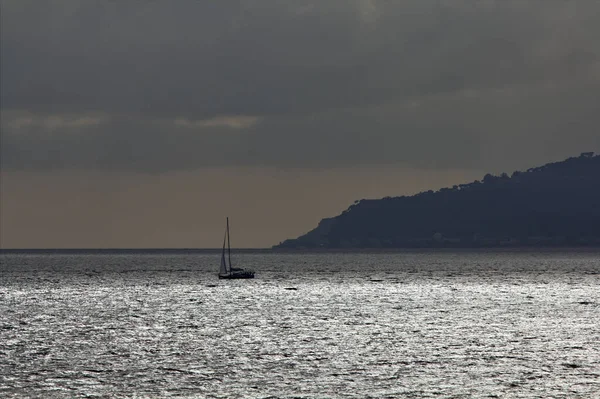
x,y
145,123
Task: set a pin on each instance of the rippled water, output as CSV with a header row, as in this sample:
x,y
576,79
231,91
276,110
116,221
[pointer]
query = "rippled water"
x,y
310,325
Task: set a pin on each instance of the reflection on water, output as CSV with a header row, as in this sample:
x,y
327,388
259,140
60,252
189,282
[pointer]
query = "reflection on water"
x,y
310,325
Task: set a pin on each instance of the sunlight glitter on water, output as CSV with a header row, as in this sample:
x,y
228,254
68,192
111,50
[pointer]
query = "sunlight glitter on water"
x,y
356,326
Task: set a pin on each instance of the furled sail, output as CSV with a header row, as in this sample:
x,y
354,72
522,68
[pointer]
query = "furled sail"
x,y
223,269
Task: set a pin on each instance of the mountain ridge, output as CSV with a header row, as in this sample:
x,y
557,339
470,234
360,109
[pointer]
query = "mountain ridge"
x,y
556,204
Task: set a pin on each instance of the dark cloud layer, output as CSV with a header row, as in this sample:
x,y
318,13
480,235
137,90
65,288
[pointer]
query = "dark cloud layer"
x,y
159,86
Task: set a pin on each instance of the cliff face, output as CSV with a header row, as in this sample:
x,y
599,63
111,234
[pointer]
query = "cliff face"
x,y
552,205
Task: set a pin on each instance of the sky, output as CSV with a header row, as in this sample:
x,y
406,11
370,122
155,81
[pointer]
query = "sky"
x,y
143,124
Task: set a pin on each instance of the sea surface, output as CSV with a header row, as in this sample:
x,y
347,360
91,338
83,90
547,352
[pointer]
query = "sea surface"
x,y
310,325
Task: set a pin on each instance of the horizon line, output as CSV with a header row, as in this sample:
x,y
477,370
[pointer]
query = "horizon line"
x,y
131,249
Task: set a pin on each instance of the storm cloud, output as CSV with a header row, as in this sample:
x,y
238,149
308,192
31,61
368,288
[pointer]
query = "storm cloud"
x,y
165,86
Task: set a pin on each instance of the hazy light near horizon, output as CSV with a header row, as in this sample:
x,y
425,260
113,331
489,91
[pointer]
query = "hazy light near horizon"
x,y
188,209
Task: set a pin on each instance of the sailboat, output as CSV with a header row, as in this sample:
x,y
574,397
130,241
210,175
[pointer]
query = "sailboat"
x,y
227,271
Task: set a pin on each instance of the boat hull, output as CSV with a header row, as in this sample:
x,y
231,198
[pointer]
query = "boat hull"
x,y
236,276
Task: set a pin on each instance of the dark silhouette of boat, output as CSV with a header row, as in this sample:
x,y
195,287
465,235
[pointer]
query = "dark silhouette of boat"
x,y
227,271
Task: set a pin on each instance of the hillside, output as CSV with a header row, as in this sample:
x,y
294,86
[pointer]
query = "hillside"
x,y
557,204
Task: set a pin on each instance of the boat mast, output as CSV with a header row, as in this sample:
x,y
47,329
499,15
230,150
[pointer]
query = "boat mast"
x,y
228,245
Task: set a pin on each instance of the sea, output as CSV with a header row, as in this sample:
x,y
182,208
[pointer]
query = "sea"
x,y
406,324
